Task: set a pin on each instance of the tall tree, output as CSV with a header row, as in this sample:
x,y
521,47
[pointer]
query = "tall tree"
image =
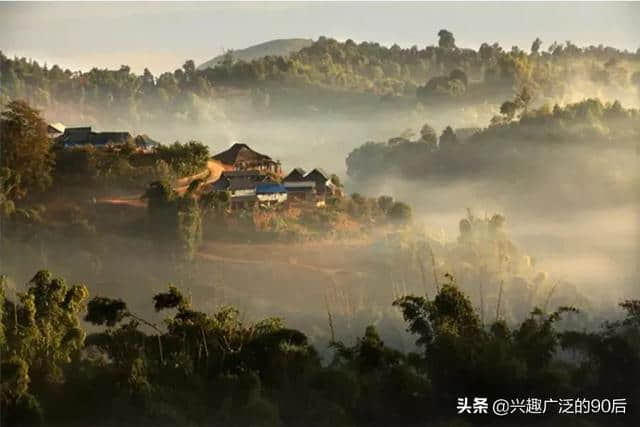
x,y
428,135
446,39
535,46
25,148
448,139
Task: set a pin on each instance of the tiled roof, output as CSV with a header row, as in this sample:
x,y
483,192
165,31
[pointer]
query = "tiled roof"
x,y
241,184
84,135
240,153
319,171
296,174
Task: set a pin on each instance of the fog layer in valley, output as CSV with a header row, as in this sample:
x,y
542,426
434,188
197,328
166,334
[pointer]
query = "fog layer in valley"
x,y
574,212
570,202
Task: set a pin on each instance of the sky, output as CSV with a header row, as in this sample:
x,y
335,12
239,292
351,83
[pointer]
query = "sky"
x,y
161,36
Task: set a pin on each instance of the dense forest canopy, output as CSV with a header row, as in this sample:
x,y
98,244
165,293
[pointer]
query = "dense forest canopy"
x,y
586,141
441,72
216,369
349,272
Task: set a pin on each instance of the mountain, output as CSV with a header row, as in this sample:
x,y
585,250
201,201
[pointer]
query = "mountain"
x,y
280,47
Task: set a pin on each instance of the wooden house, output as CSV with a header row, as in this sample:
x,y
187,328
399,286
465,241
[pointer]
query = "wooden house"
x,y
241,157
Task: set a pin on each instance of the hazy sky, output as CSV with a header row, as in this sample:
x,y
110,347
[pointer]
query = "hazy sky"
x,y
163,35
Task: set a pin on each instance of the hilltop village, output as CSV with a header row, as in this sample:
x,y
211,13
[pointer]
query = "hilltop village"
x,y
251,179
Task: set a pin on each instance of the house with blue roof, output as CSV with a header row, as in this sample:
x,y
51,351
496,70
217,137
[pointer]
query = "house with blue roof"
x,y
270,193
248,188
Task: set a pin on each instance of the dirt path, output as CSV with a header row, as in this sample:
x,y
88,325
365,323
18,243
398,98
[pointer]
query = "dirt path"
x,y
135,202
210,175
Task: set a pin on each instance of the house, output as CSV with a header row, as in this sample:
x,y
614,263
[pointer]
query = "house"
x,y
300,190
270,193
145,143
295,175
75,136
242,192
309,186
111,138
230,180
79,136
54,130
249,187
241,157
324,186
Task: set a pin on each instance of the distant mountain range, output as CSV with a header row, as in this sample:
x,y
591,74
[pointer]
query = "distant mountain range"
x,y
280,47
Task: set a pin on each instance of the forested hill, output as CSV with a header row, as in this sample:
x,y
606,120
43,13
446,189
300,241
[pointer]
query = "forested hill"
x,y
279,47
549,154
505,146
437,72
434,74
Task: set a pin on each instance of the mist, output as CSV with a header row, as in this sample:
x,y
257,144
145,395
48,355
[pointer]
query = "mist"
x,y
583,237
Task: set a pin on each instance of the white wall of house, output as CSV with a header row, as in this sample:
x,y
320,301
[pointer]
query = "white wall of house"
x,y
272,198
243,193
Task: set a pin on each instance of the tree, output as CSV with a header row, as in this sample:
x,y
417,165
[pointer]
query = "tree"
x,y
460,75
508,109
428,135
175,221
189,67
399,213
451,334
184,159
8,181
448,139
201,366
523,98
215,201
41,336
25,149
385,203
227,58
446,40
105,311
535,46
109,312
335,179
148,82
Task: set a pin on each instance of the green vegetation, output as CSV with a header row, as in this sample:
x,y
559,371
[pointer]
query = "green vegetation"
x,y
25,156
184,159
353,216
442,73
174,221
490,152
399,212
31,163
77,177
82,211
98,171
435,70
215,369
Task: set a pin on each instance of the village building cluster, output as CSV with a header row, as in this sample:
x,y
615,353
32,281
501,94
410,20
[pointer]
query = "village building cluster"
x,y
250,178
253,178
